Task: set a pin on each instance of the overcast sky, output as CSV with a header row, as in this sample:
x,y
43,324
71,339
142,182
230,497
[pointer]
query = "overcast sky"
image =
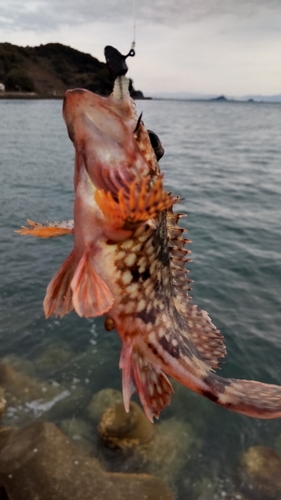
x,y
230,47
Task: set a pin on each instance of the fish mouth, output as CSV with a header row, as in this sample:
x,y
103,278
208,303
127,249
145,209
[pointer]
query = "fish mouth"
x,y
102,130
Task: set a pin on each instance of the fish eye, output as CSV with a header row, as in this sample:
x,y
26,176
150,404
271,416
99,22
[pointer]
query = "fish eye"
x,y
156,144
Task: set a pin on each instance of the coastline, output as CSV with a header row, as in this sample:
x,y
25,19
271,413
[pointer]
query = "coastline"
x,y
33,96
28,95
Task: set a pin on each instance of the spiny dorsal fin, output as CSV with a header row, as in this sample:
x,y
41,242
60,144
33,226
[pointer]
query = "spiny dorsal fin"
x,y
199,328
142,203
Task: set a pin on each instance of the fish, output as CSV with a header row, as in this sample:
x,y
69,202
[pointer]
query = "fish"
x,y
128,262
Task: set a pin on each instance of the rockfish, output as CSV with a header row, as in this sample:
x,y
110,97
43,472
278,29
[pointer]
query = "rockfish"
x,y
128,263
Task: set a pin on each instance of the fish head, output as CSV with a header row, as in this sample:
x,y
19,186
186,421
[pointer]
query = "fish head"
x,y
111,142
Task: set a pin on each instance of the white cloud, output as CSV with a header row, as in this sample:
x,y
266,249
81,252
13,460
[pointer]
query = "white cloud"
x,y
40,15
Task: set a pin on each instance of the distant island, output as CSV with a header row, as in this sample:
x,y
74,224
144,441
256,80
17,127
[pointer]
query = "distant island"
x,y
49,70
193,96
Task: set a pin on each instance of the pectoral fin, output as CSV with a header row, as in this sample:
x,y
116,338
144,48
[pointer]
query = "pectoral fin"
x,y
50,230
58,299
91,296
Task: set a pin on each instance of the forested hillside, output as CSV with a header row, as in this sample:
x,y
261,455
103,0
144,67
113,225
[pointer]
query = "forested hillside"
x,y
49,70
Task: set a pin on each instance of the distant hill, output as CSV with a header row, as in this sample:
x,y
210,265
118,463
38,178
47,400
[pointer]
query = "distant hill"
x,y
264,98
192,96
51,69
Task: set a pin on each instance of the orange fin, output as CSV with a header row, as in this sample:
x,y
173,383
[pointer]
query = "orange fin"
x,y
142,203
151,383
91,296
51,230
58,299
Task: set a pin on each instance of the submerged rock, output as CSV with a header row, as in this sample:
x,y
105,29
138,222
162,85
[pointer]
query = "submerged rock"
x,y
28,398
278,444
212,488
260,471
3,402
38,462
20,387
172,446
161,449
20,364
103,400
122,430
53,358
82,433
3,494
205,488
5,433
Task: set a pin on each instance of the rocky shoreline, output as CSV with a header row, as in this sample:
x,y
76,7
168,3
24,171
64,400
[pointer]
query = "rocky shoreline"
x,y
27,95
33,96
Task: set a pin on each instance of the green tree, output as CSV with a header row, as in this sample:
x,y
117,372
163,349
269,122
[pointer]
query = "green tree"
x,y
18,80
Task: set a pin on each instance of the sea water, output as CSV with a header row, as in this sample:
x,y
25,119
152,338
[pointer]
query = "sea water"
x,y
224,161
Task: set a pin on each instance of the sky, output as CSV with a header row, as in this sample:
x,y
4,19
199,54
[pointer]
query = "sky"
x,y
230,47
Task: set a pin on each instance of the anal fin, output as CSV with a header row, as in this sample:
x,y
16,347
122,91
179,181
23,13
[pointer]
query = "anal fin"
x,y
152,385
58,299
91,296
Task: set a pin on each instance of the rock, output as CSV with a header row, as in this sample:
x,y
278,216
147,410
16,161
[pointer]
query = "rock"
x,y
3,494
161,449
27,398
20,388
5,433
122,430
210,488
20,364
260,470
74,399
103,400
278,444
168,452
39,463
80,432
53,358
205,488
3,402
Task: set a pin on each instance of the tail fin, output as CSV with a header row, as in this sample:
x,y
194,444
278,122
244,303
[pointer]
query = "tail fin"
x,y
151,383
58,299
251,398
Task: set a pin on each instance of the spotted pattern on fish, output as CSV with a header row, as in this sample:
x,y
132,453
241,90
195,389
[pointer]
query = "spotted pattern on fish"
x,y
153,295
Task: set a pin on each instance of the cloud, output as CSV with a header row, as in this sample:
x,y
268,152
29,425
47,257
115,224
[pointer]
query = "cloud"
x,y
46,15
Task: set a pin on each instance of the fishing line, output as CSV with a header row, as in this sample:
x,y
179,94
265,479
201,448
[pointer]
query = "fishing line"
x,y
116,62
134,25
